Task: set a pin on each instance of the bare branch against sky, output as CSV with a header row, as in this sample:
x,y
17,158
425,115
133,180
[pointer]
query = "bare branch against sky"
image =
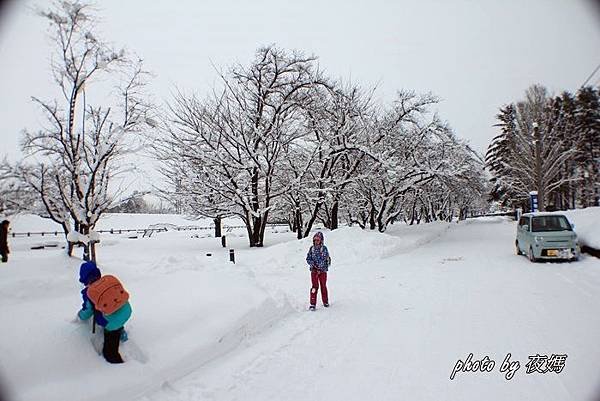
x,y
474,55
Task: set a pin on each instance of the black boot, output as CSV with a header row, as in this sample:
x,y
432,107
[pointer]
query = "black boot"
x,y
111,346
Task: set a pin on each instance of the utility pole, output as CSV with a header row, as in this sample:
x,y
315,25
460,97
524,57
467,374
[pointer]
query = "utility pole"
x,y
539,174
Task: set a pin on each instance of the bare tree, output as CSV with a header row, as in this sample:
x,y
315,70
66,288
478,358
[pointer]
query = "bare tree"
x,y
402,155
79,149
278,139
325,162
234,142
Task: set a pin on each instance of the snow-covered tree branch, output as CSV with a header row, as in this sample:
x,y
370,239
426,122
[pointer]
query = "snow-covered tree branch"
x,y
72,159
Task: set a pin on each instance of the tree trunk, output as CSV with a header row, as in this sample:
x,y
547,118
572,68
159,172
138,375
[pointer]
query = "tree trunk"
x,y
413,212
248,223
334,215
292,221
312,220
255,232
93,251
372,222
218,228
70,245
380,218
86,246
327,220
256,221
262,228
426,215
298,220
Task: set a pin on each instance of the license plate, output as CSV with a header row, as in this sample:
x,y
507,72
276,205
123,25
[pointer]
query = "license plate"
x,y
552,252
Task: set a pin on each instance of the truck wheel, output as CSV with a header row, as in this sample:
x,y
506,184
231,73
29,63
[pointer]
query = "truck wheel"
x,y
517,249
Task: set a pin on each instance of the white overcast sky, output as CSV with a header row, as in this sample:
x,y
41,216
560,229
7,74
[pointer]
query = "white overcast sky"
x,y
475,55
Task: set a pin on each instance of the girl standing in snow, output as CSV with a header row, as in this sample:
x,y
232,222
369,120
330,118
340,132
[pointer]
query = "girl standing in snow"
x,y
112,324
319,261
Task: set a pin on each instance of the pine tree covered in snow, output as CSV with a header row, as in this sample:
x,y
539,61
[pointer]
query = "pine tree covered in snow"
x,y
549,145
587,120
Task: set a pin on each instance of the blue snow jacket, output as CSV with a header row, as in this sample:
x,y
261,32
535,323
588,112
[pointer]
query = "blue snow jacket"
x,y
318,255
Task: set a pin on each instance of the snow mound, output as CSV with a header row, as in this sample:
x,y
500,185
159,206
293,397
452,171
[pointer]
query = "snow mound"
x,y
187,311
587,225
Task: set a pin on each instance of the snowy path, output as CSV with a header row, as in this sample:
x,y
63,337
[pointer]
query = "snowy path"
x,y
398,324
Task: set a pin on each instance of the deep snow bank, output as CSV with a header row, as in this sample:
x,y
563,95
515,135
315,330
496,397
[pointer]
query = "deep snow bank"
x,y
349,245
587,225
188,310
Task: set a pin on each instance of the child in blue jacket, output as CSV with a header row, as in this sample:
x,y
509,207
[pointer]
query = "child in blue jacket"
x,y
318,261
112,324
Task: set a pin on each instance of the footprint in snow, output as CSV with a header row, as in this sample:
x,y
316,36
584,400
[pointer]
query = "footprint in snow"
x,y
453,259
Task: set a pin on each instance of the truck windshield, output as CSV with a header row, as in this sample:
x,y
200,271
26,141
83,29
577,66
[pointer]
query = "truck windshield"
x,y
550,223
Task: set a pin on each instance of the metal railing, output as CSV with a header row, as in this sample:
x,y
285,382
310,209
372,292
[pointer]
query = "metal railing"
x,y
111,231
511,213
136,230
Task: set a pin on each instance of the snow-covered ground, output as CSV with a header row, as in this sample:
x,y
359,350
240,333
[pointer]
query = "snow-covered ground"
x,y
405,307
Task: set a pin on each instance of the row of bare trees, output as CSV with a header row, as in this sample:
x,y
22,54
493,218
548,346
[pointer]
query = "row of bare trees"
x,y
275,140
278,140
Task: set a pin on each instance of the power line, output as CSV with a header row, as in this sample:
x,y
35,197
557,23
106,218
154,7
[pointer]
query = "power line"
x,y
591,75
